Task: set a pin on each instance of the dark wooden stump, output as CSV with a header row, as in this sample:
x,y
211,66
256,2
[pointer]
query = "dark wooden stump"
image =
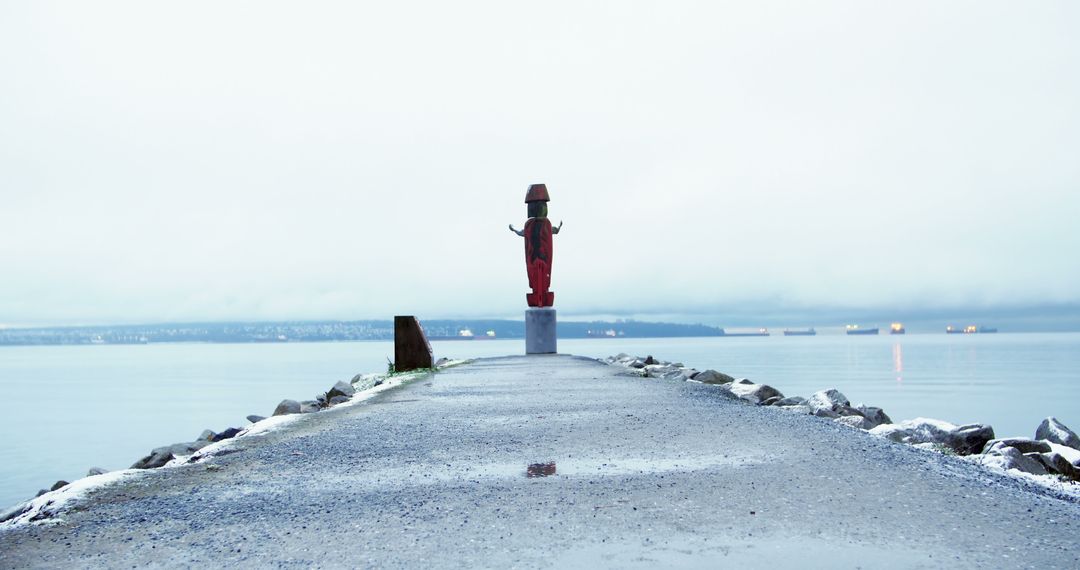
x,y
411,347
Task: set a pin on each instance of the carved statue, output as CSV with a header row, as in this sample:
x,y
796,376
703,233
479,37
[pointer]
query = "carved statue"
x,y
538,246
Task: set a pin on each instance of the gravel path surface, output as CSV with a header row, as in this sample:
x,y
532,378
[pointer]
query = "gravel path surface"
x,y
563,462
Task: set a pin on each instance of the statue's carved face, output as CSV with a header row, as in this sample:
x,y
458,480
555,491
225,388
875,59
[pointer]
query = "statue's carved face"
x,y
537,209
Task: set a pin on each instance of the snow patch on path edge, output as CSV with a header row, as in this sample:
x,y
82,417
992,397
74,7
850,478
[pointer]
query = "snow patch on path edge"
x,y
45,508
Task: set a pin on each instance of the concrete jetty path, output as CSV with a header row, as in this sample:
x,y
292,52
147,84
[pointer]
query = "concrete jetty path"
x,y
558,461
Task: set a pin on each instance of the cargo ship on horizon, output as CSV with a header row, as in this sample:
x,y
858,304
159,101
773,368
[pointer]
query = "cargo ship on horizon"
x,y
970,329
466,334
855,330
759,332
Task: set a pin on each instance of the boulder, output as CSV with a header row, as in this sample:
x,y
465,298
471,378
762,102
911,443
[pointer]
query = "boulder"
x,y
162,455
662,371
771,401
96,471
18,509
855,422
650,360
964,440
309,406
1010,458
713,377
903,432
227,434
255,418
362,382
754,393
688,373
791,401
848,411
340,389
442,362
876,415
1056,463
971,438
827,400
1054,431
58,485
1071,455
338,400
287,407
797,409
638,363
152,461
1023,444
622,359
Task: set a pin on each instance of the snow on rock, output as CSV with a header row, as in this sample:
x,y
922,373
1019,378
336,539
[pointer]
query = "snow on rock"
x,y
713,377
828,403
362,382
1023,444
1054,431
665,371
855,422
1070,454
1006,458
753,393
287,407
50,504
161,455
964,440
1057,463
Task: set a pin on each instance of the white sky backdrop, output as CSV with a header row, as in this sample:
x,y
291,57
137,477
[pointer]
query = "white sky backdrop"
x,y
260,160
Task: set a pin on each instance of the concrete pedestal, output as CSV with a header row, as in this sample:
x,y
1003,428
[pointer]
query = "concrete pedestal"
x,y
540,331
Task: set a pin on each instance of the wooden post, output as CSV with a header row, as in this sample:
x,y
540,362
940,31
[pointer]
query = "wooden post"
x,y
411,347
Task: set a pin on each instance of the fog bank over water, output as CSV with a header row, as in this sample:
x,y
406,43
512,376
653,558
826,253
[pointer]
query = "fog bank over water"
x,y
764,163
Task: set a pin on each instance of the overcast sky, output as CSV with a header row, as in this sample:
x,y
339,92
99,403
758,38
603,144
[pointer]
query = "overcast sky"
x,y
191,161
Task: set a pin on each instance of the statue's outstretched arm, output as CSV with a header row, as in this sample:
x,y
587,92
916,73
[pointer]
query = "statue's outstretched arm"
x,y
555,230
521,233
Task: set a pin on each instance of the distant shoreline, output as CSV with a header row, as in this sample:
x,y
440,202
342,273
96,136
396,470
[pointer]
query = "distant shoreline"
x,y
332,331
8,342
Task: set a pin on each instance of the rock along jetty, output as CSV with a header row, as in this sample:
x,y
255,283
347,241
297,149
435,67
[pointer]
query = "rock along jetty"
x,y
1054,453
557,461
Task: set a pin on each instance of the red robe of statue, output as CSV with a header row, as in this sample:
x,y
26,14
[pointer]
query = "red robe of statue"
x,y
538,252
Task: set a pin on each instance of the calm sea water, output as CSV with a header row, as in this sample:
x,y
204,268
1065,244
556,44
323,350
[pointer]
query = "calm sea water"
x,y
68,408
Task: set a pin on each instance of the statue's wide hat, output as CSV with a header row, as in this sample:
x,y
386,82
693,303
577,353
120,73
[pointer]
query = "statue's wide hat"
x,y
537,193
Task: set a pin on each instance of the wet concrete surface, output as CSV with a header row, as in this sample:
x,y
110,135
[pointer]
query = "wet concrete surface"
x,y
523,462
